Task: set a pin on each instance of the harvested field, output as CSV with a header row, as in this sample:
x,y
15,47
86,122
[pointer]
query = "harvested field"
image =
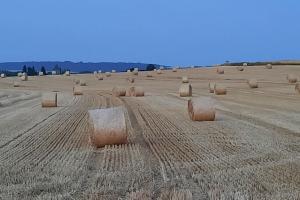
x,y
250,151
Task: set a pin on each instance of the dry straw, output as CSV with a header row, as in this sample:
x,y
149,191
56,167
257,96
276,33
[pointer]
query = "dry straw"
x,y
130,80
135,72
108,74
149,74
16,84
82,82
240,68
185,79
100,77
159,71
135,91
108,126
77,90
220,70
220,90
211,87
118,91
253,83
49,99
24,77
292,78
174,69
201,109
185,90
269,66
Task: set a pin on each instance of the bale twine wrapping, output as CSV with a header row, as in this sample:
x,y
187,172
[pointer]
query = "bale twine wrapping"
x,y
201,109
211,87
220,70
77,90
82,82
3,75
16,84
130,80
220,90
297,87
135,91
49,99
269,66
107,74
41,73
118,91
185,90
252,83
292,78
108,126
240,68
185,79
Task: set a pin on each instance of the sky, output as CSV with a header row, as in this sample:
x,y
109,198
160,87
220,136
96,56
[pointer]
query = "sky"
x,y
177,32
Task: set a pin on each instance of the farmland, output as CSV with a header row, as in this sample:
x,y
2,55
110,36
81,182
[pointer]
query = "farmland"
x,y
251,150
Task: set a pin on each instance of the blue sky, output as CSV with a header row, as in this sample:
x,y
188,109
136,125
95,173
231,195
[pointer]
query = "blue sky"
x,y
191,32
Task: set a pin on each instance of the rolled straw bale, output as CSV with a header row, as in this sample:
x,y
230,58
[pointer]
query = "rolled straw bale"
x,y
128,71
108,126
240,68
77,81
211,87
134,72
3,75
297,87
159,71
130,80
161,67
136,91
16,84
82,82
95,73
155,70
67,73
49,99
136,69
185,90
107,74
245,64
100,77
77,90
41,73
149,74
118,91
252,83
201,109
53,72
24,77
20,74
174,69
113,71
24,73
220,90
185,79
220,70
269,66
292,78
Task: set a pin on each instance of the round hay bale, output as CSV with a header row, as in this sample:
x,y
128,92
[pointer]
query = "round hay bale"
x,y
220,90
297,87
3,75
252,83
41,73
220,70
77,81
95,73
174,69
185,79
77,90
149,74
240,68
161,67
82,82
24,77
113,71
108,126
245,64
20,74
130,80
159,71
67,73
49,99
100,77
136,69
128,71
107,74
134,72
118,91
155,70
185,90
136,91
16,84
269,66
211,87
292,78
201,109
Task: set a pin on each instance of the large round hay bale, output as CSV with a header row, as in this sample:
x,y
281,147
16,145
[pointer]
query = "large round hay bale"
x,y
211,87
185,90
201,109
185,79
130,80
220,70
77,90
240,68
159,71
41,73
269,66
174,69
24,77
136,91
253,83
82,82
118,91
16,84
297,87
220,90
49,99
107,74
292,78
108,126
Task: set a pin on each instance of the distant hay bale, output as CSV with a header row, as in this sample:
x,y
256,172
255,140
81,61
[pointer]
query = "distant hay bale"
x,y
41,73
252,83
240,68
269,66
16,84
3,75
185,90
118,91
154,70
135,91
108,126
53,72
130,80
185,79
82,82
136,69
128,71
297,87
113,71
149,74
24,77
134,72
20,74
67,73
107,74
220,70
220,90
99,71
245,64
161,67
174,69
77,81
211,87
49,99
159,71
201,109
292,78
77,90
100,77
95,73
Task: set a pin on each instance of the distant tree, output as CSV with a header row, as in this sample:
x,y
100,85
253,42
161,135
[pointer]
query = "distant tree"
x,y
57,69
24,69
150,67
31,71
43,70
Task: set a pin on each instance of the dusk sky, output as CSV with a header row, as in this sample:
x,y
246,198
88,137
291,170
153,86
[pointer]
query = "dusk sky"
x,y
191,32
